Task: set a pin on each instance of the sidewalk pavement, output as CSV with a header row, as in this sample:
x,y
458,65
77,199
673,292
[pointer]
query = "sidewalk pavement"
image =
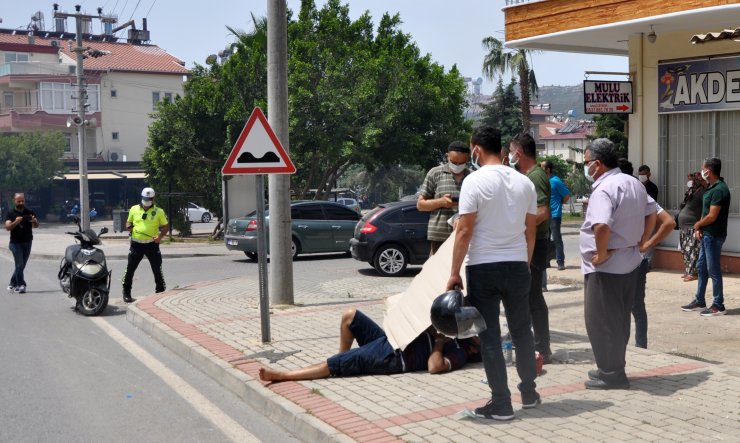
x,y
215,325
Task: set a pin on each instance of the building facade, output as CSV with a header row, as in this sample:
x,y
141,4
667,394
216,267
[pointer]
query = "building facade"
x,y
686,80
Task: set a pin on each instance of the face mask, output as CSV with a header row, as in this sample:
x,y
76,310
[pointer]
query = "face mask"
x,y
589,177
513,162
705,175
689,184
643,178
456,169
146,203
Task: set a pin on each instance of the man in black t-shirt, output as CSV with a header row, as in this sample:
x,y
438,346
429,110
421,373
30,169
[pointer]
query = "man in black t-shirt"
x,y
375,355
20,221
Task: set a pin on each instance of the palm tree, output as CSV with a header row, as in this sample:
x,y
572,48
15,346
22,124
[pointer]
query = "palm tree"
x,y
499,60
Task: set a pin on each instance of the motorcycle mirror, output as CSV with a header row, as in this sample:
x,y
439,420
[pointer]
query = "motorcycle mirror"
x,y
104,230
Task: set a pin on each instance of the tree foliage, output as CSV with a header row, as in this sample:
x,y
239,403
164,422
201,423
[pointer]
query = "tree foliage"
x,y
359,95
29,160
612,126
385,183
504,111
500,61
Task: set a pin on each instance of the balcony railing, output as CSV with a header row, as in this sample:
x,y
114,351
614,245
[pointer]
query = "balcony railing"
x,y
36,68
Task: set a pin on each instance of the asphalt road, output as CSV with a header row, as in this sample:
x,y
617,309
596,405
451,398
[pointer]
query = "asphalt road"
x,y
69,378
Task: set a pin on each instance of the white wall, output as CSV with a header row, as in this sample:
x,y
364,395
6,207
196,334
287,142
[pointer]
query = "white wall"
x,y
129,112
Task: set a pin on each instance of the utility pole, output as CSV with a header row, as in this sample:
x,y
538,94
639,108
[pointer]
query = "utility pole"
x,y
80,121
281,258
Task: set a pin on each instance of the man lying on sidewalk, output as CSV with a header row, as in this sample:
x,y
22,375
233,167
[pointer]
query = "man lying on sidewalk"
x,y
375,356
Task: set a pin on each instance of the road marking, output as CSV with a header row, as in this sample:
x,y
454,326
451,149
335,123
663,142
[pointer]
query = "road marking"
x,y
200,403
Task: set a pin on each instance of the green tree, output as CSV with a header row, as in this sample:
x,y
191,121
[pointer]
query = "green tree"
x,y
612,126
504,111
500,61
191,137
384,183
29,160
560,167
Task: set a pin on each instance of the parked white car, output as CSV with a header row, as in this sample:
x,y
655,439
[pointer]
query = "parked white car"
x,y
198,214
350,203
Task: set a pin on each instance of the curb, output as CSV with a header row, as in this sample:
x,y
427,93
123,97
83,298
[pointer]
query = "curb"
x,y
285,413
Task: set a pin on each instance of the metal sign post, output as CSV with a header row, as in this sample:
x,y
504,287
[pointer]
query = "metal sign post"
x,y
262,259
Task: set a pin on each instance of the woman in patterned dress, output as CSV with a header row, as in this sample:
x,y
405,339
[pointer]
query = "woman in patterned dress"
x,y
689,213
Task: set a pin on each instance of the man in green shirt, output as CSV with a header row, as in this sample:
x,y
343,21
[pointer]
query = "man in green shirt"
x,y
711,229
523,156
440,191
147,224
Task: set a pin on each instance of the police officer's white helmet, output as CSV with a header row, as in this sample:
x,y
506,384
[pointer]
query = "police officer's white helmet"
x,y
147,193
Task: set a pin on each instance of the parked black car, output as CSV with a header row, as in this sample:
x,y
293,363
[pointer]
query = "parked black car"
x,y
391,237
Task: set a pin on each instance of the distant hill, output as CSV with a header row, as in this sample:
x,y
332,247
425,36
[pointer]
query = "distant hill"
x,y
562,99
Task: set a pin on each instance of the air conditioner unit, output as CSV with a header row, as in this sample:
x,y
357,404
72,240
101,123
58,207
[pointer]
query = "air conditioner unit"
x,y
115,155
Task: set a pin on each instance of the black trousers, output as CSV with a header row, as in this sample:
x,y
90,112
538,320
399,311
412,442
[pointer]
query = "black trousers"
x,y
537,304
136,253
608,302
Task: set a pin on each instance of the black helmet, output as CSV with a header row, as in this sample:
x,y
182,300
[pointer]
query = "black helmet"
x,y
451,317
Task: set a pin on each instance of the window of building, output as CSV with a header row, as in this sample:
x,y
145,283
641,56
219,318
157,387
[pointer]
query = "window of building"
x,y
155,99
686,139
67,142
113,93
8,100
114,136
16,57
168,97
58,98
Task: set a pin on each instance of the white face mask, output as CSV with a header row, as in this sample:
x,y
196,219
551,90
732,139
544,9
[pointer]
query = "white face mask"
x,y
513,162
456,169
643,178
146,203
705,175
689,184
474,157
589,177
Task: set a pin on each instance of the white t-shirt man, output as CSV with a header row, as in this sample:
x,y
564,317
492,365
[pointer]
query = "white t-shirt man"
x,y
502,198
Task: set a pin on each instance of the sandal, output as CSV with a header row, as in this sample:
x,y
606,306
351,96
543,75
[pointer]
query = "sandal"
x,y
690,278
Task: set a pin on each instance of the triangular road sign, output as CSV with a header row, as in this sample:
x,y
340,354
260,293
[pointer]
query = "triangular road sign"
x,y
258,150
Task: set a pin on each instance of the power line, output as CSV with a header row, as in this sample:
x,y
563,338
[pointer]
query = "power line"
x,y
135,8
150,8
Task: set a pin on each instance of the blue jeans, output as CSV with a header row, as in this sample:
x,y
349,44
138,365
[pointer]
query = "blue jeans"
x,y
21,252
638,307
557,238
489,284
707,265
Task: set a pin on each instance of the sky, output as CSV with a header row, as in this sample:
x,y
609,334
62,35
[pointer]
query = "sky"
x,y
450,31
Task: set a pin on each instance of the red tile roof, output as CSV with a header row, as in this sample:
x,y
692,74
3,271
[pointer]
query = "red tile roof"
x,y
118,56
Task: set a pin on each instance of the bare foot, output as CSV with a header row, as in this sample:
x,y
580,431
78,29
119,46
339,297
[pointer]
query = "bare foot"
x,y
267,374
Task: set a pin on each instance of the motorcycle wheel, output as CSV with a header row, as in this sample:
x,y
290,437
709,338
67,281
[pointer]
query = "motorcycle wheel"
x,y
92,302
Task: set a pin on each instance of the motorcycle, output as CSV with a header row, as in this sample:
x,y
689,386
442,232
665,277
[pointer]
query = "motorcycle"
x,y
83,272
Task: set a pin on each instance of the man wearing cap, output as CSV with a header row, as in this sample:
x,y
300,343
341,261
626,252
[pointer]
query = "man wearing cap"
x,y
440,191
147,224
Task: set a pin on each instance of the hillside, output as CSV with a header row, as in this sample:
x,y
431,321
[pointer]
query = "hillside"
x,y
562,98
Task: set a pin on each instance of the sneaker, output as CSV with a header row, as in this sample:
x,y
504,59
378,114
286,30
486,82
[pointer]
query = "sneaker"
x,y
693,306
561,267
11,288
22,289
495,412
594,374
713,310
530,400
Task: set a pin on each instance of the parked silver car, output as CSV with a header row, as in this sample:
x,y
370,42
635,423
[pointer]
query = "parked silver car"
x,y
350,203
198,214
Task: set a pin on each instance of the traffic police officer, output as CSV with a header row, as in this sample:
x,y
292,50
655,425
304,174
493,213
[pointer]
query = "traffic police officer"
x,y
147,224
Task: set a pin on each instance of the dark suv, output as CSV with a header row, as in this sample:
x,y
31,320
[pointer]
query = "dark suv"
x,y
391,237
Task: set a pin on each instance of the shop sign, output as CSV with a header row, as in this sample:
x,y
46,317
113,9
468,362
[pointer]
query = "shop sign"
x,y
699,85
607,97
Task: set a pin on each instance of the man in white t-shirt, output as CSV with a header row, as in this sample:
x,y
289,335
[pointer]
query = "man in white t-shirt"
x,y
496,230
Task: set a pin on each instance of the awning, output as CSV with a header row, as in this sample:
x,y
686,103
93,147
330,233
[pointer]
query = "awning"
x,y
727,34
103,176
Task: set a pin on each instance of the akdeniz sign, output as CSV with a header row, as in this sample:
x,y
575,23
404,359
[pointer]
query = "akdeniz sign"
x,y
699,85
607,97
